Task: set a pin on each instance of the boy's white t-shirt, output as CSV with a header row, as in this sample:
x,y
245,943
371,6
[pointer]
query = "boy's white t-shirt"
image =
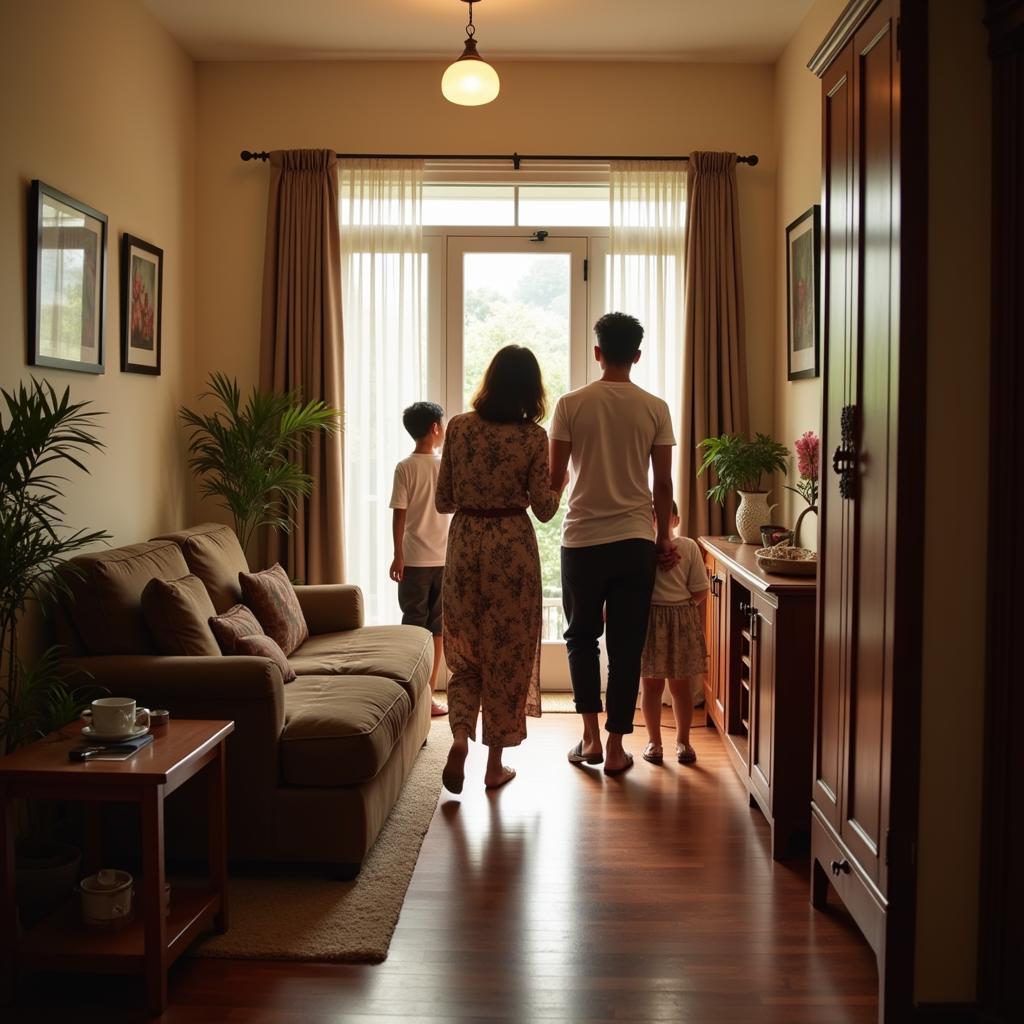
x,y
425,541
612,426
686,578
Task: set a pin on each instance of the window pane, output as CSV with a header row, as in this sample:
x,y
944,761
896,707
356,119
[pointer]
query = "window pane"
x,y
564,205
489,205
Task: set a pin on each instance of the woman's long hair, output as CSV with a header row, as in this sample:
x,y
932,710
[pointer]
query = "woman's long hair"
x,y
512,389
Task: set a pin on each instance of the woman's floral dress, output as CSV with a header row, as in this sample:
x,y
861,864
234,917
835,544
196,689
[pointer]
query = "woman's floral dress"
x,y
492,589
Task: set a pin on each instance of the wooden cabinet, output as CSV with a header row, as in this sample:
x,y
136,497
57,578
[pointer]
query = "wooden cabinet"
x,y
714,687
759,687
868,646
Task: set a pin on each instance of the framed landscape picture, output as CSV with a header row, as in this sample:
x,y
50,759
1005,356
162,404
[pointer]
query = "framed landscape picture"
x,y
142,299
67,276
803,239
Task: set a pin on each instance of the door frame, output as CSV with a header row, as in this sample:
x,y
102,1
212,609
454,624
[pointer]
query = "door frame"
x,y
577,244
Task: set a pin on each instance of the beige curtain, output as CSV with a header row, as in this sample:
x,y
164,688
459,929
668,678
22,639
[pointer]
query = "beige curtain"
x,y
714,350
301,345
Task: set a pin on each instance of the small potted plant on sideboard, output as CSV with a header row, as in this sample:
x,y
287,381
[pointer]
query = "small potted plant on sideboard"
x,y
741,465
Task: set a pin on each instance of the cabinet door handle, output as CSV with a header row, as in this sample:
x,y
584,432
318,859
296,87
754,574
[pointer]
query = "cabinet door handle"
x,y
744,608
844,459
754,620
840,867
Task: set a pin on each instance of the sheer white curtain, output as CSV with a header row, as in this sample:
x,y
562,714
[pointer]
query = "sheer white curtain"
x,y
384,309
645,267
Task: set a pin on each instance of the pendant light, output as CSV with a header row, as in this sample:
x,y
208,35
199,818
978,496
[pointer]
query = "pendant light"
x,y
470,81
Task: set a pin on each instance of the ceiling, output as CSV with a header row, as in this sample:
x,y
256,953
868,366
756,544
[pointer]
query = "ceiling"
x,y
698,30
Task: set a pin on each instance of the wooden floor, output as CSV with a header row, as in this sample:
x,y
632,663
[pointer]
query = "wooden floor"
x,y
566,896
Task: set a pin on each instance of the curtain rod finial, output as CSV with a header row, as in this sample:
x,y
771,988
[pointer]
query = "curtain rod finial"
x,y
248,155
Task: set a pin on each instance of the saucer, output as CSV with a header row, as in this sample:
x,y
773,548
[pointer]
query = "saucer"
x,y
90,733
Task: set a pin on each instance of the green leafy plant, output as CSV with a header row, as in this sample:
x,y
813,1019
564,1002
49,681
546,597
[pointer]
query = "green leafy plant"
x,y
245,453
740,464
42,435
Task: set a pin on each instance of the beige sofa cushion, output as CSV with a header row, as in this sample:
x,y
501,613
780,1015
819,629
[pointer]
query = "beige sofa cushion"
x,y
402,653
213,553
107,600
340,731
178,615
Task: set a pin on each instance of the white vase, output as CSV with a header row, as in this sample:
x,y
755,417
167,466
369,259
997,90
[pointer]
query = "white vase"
x,y
753,513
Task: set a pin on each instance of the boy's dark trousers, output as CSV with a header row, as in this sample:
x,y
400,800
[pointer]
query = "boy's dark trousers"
x,y
613,580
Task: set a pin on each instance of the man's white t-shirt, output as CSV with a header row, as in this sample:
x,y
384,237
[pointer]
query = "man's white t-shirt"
x,y
612,427
426,530
686,578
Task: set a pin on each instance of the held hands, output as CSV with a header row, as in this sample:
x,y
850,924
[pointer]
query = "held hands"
x,y
668,557
397,570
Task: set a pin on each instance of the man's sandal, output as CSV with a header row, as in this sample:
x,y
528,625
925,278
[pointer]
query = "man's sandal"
x,y
576,756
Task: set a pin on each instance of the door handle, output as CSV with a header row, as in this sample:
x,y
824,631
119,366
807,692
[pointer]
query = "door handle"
x,y
840,867
844,458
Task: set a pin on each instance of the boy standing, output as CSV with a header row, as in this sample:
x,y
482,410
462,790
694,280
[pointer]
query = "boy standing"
x,y
614,433
420,532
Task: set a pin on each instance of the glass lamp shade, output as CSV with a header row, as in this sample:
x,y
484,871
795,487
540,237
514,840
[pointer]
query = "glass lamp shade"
x,y
470,81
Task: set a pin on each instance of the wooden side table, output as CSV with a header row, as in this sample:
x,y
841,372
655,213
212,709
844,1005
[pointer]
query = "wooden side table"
x,y
153,941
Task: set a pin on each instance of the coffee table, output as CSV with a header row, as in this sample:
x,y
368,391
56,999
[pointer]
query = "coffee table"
x,y
153,941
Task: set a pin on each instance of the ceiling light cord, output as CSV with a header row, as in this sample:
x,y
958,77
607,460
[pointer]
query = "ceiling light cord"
x,y
470,28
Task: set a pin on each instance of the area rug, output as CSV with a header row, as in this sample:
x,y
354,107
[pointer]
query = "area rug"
x,y
310,917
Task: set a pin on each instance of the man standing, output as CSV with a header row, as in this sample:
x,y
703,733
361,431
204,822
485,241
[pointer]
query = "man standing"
x,y
613,433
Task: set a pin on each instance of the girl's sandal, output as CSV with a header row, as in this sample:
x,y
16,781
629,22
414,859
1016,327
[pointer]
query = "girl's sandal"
x,y
654,753
685,754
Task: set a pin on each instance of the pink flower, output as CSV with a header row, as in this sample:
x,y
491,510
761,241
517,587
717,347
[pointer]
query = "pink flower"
x,y
807,455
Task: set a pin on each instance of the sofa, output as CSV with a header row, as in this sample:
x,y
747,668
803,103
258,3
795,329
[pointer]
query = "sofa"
x,y
315,765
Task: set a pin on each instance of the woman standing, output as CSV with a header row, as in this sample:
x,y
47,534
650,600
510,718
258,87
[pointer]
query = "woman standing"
x,y
494,464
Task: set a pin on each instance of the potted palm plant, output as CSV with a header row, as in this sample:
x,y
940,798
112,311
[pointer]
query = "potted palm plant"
x,y
42,436
244,453
741,465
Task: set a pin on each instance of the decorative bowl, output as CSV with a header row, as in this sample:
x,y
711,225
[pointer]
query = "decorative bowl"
x,y
787,561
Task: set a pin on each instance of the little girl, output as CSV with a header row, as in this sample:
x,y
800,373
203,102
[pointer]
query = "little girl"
x,y
675,647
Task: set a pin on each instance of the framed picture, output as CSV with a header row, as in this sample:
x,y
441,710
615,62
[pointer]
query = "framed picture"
x,y
803,249
142,299
67,281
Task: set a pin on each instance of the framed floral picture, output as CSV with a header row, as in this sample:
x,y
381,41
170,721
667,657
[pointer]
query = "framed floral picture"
x,y
67,278
803,239
142,299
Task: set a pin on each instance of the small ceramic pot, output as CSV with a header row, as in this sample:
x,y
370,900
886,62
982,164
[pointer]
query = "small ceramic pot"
x,y
106,897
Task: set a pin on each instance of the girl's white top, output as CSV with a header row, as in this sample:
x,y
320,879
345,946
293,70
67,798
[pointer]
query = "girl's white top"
x,y
686,578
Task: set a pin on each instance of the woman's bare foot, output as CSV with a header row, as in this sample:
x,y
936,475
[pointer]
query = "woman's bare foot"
x,y
437,709
454,774
494,779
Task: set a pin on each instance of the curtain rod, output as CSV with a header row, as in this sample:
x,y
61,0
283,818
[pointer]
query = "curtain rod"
x,y
516,158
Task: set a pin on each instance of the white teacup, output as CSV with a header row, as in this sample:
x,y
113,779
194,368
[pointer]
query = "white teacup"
x,y
116,716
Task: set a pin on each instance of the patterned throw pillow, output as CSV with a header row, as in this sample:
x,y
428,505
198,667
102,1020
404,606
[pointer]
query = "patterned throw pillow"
x,y
271,596
230,627
262,646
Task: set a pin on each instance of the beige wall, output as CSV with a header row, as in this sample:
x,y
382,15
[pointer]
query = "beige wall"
x,y
953,658
99,102
572,108
798,187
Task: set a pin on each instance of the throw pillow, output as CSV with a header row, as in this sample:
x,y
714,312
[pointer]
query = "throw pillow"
x,y
262,646
177,613
272,598
230,627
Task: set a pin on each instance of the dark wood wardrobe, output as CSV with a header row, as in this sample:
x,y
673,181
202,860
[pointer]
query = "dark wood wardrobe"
x,y
872,68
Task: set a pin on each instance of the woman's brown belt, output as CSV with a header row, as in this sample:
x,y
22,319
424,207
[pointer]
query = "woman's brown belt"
x,y
493,513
